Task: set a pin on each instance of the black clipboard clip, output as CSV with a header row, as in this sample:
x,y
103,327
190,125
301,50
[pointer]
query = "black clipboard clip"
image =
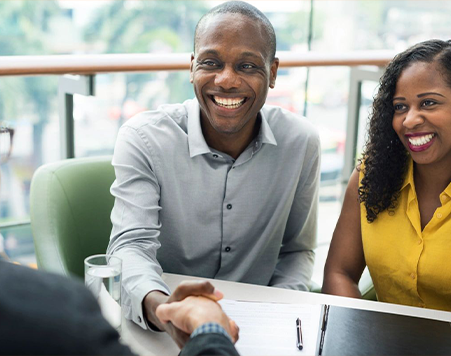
x,y
323,328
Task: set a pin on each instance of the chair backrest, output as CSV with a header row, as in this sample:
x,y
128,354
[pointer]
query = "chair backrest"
x,y
70,204
366,286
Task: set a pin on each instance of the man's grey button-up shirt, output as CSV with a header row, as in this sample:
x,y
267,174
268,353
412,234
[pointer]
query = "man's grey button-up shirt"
x,y
183,207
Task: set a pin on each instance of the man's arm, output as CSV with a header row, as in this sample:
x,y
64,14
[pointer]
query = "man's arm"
x,y
135,219
136,229
296,258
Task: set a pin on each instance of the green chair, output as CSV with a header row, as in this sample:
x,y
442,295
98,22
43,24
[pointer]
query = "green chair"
x,y
366,286
70,212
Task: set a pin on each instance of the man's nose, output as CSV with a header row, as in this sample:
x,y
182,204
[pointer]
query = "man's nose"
x,y
413,119
227,78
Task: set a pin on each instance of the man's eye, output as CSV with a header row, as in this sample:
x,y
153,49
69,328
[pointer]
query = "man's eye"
x,y
209,63
248,66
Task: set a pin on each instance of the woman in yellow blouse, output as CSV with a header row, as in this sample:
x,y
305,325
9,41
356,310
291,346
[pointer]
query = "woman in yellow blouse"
x,y
396,215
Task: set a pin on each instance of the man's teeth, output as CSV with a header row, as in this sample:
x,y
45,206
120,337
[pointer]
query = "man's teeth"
x,y
420,140
230,103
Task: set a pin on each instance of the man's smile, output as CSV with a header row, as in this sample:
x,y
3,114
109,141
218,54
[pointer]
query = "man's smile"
x,y
228,103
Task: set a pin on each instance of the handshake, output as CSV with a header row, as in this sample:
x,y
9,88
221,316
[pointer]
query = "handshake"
x,y
191,305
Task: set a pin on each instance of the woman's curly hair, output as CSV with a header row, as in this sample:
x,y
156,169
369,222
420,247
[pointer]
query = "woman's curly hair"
x,y
385,159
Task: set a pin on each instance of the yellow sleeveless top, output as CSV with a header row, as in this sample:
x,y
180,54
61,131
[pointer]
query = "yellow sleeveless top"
x,y
409,266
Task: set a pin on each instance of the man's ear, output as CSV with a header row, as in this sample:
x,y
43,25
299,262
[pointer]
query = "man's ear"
x,y
191,68
273,73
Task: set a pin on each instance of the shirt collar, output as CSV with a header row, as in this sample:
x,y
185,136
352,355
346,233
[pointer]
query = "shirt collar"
x,y
409,176
409,179
196,141
266,135
447,191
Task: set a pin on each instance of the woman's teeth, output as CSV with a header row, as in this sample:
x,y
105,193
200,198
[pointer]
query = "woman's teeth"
x,y
420,140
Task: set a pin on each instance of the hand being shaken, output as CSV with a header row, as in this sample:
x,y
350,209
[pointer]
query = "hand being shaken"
x,y
194,311
185,289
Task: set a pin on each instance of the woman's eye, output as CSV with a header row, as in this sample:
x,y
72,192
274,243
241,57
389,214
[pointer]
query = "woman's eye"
x,y
399,107
428,103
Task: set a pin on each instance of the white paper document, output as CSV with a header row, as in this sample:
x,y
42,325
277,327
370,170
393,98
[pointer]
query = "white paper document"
x,y
270,328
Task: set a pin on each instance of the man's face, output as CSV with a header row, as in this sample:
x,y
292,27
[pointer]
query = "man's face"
x,y
231,72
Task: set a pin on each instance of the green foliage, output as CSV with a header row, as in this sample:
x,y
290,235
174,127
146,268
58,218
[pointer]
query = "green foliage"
x,y
148,27
293,30
142,26
372,13
23,25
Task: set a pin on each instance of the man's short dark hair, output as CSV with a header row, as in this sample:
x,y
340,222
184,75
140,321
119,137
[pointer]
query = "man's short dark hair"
x,y
245,9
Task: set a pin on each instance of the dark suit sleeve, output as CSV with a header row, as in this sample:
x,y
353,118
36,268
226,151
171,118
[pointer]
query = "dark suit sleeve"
x,y
209,344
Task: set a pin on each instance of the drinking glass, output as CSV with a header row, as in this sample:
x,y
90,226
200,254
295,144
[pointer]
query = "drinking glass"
x,y
103,278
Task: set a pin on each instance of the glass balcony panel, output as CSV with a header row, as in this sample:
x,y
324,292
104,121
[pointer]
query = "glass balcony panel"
x,y
28,105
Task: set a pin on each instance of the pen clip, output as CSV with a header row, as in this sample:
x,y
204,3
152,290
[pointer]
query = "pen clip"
x,y
300,341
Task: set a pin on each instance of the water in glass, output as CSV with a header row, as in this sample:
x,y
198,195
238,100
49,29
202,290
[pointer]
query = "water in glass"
x,y
105,283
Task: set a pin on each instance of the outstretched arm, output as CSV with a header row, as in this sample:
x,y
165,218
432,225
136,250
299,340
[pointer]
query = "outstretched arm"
x,y
135,219
136,231
346,261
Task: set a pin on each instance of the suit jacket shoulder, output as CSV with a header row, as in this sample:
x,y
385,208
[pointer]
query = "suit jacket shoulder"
x,y
43,313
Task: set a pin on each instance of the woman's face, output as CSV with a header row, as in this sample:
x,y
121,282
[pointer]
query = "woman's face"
x,y
422,113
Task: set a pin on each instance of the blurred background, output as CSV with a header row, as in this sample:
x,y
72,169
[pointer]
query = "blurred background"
x,y
29,104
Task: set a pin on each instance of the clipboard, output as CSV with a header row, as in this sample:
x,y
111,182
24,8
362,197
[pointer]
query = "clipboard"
x,y
347,331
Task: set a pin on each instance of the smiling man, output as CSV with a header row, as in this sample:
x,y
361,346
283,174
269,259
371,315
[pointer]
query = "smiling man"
x,y
221,186
232,67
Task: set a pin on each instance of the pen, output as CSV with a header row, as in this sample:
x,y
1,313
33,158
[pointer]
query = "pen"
x,y
300,343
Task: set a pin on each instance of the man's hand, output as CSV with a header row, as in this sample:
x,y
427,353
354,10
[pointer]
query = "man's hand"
x,y
185,289
193,312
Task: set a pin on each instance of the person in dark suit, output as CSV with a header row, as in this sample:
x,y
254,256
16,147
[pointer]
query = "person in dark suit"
x,y
48,314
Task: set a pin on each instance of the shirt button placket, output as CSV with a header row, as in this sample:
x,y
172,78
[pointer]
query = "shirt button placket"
x,y
227,249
